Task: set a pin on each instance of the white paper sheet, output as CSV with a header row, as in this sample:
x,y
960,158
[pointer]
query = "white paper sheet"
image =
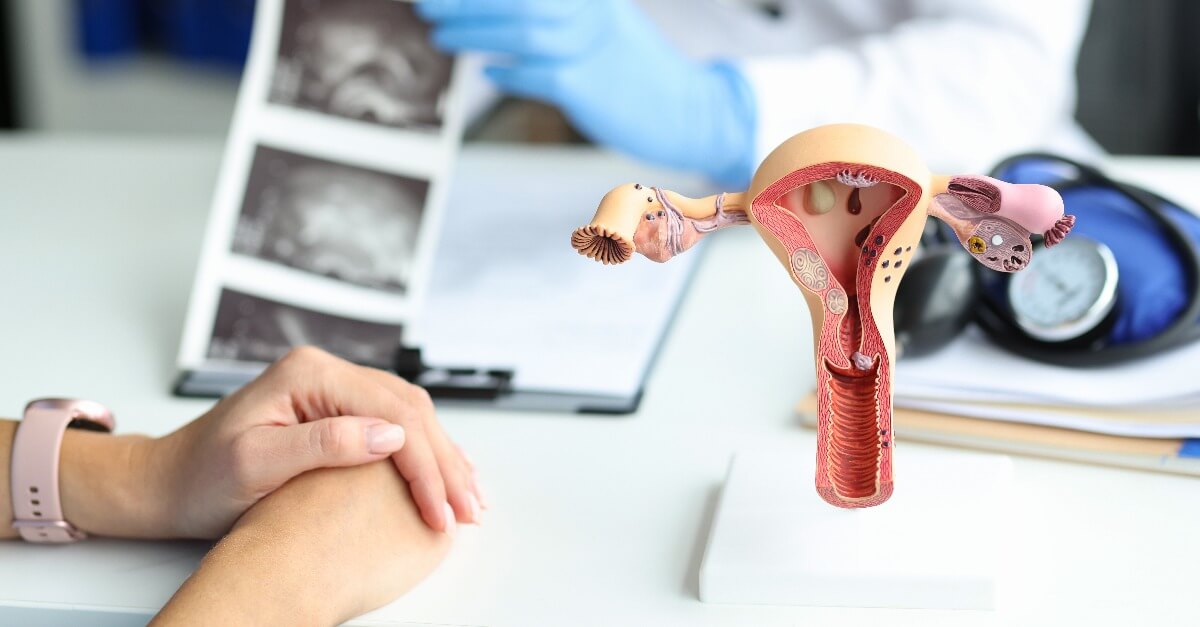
x,y
510,292
971,367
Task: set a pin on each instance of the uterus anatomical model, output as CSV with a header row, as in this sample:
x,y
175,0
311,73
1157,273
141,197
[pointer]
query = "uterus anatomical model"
x,y
843,208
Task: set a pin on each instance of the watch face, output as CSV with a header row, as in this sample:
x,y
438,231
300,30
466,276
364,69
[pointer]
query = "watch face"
x,y
1066,291
87,415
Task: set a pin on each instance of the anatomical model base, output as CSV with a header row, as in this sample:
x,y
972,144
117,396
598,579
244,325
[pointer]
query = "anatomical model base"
x,y
941,544
843,208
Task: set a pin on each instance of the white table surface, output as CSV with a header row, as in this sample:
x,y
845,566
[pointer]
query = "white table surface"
x,y
595,520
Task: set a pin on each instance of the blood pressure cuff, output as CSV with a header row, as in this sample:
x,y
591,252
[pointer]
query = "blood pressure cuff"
x,y
1154,284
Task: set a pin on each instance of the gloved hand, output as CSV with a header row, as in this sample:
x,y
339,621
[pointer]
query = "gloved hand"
x,y
603,63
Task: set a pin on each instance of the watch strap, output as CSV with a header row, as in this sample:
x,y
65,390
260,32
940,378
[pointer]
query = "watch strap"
x,y
37,504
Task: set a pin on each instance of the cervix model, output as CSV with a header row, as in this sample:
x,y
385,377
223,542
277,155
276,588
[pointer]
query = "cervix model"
x,y
843,208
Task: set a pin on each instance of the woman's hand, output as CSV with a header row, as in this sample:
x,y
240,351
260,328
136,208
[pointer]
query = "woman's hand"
x,y
308,410
327,546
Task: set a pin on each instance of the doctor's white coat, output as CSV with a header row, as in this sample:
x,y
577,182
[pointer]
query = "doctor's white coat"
x,y
965,82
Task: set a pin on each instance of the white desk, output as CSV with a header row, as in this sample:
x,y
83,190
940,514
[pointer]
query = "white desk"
x,y
596,520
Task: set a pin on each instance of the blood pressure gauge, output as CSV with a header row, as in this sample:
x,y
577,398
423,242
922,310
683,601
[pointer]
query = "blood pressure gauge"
x,y
1068,292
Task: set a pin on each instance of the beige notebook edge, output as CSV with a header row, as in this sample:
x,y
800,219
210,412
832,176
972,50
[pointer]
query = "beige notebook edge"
x,y
1154,454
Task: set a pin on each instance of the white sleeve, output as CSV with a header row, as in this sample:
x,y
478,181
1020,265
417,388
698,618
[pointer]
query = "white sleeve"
x,y
964,82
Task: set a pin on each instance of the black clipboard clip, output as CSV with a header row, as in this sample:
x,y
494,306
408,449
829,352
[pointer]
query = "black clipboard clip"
x,y
452,383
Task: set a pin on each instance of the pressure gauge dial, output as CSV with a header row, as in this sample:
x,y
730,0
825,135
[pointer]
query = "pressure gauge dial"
x,y
1066,292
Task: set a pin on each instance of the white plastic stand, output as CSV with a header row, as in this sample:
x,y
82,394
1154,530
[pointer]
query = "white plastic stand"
x,y
934,544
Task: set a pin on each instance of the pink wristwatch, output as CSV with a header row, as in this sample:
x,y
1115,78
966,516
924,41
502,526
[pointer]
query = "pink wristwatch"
x,y
37,508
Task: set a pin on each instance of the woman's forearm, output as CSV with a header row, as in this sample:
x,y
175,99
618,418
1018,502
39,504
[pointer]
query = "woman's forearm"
x,y
252,577
7,429
108,484
327,546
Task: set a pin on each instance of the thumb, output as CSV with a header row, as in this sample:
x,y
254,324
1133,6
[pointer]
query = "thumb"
x,y
327,443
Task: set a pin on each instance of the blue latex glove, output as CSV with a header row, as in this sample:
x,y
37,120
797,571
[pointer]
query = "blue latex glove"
x,y
609,70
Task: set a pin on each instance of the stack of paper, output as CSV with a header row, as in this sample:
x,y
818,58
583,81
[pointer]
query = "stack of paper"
x,y
1157,398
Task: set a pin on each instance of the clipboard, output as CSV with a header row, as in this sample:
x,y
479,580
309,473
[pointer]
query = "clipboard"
x,y
603,327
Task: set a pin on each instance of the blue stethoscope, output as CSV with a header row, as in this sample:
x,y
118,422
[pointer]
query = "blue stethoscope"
x,y
1149,243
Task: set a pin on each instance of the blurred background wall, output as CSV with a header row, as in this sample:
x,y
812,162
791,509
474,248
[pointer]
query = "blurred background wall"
x,y
63,68
66,79
1139,76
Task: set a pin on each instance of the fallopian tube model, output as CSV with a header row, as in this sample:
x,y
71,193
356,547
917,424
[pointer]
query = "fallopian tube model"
x,y
843,208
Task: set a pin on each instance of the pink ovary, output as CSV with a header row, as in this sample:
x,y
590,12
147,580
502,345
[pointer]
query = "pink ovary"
x,y
1008,247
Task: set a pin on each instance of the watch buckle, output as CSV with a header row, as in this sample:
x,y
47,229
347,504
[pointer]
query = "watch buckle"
x,y
48,530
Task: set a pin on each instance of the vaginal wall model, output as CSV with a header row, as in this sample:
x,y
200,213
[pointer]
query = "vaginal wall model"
x,y
843,208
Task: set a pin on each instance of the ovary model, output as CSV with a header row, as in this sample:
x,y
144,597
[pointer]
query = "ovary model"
x,y
843,208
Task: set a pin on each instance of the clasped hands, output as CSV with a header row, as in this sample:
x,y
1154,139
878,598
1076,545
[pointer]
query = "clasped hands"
x,y
355,534
310,410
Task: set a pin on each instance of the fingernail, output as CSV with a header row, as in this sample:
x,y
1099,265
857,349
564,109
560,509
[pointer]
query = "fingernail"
x,y
483,499
476,514
451,524
385,438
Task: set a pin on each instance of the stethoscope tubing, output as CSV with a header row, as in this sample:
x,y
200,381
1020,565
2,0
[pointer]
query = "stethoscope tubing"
x,y
1183,330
